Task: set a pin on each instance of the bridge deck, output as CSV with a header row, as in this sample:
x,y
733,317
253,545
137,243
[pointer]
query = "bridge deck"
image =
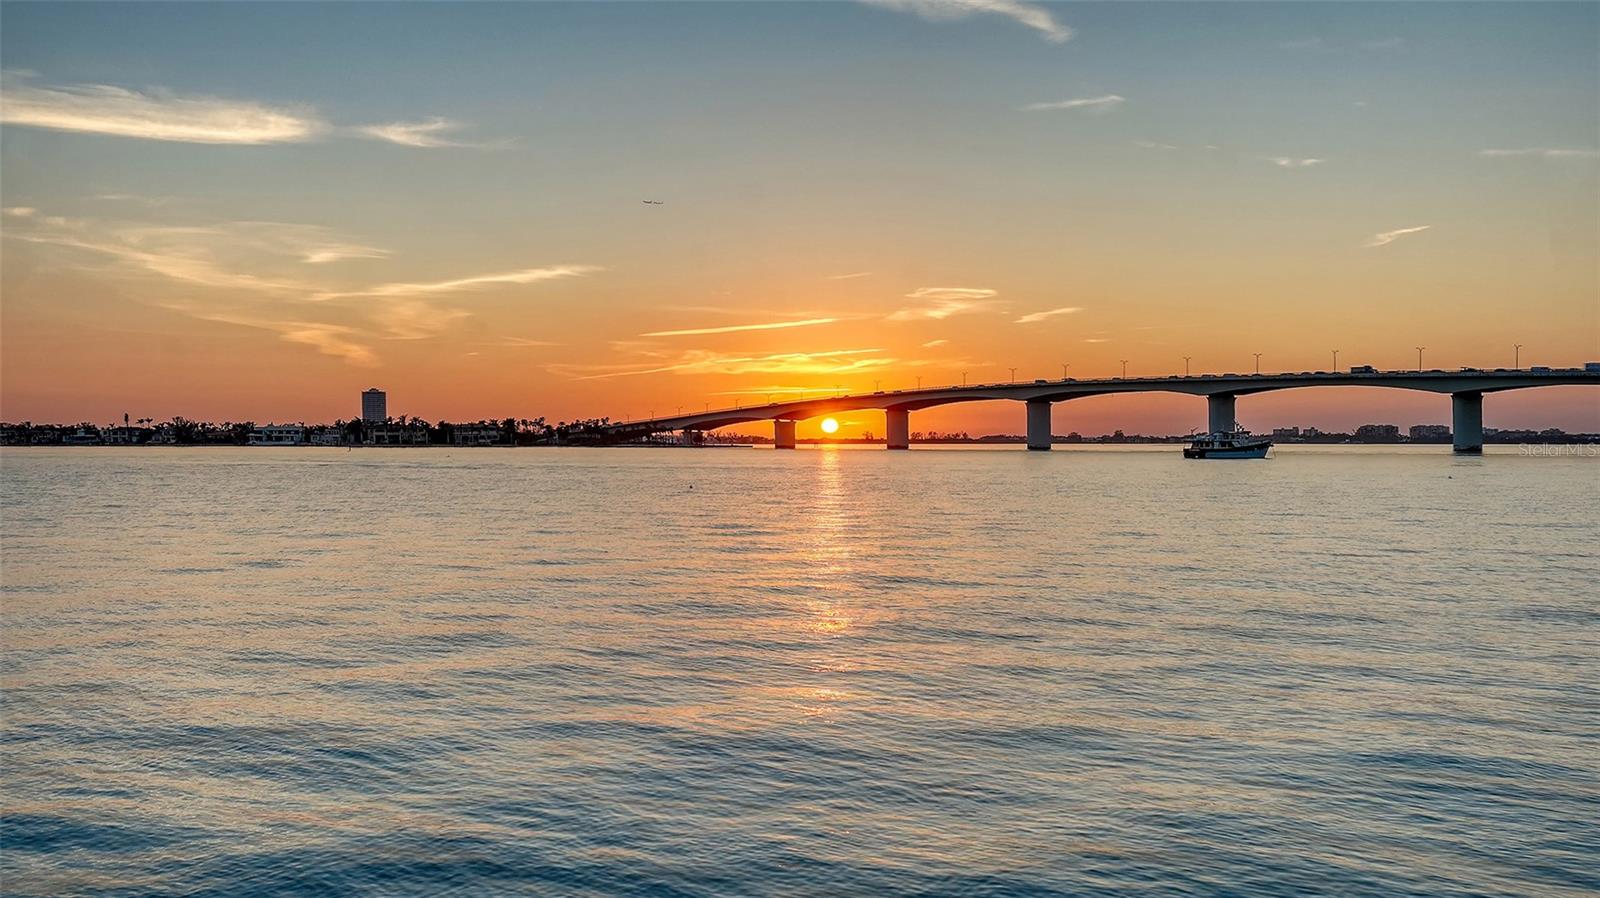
x,y
1461,381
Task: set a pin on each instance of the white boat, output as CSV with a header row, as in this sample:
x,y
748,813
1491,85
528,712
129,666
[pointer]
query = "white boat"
x,y
1225,444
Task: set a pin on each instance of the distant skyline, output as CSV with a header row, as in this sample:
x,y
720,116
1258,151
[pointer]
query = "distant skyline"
x,y
574,210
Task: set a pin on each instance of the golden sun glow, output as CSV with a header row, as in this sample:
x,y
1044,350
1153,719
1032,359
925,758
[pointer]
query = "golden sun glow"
x,y
830,426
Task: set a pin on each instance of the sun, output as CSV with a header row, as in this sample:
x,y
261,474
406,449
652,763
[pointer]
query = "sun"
x,y
830,426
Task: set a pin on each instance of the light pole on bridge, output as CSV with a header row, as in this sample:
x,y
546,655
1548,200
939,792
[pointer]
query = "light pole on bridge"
x,y
1258,362
963,378
919,381
1124,369
1064,367
1013,375
1186,365
1517,355
1419,357
1336,361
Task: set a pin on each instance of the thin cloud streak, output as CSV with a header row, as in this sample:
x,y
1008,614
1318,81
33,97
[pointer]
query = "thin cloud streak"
x,y
702,361
736,328
1291,162
1385,238
525,276
119,112
1543,152
427,134
945,302
850,276
1034,317
1093,104
1033,16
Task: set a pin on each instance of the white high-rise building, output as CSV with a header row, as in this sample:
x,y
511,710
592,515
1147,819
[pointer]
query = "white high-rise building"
x,y
374,405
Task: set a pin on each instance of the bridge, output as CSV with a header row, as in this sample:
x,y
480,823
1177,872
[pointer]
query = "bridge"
x,y
1465,387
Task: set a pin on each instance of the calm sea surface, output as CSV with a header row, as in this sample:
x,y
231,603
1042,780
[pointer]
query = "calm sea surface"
x,y
734,672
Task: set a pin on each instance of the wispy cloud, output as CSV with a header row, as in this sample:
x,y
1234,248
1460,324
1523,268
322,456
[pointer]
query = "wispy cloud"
x,y
1543,152
1097,339
20,211
776,325
703,361
457,285
1033,317
1153,145
1292,162
944,302
337,252
328,339
427,134
1092,104
1032,15
104,109
1385,238
252,274
931,344
850,276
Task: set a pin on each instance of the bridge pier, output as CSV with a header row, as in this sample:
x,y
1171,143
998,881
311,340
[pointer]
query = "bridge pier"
x,y
782,434
898,428
1466,422
1220,413
1039,425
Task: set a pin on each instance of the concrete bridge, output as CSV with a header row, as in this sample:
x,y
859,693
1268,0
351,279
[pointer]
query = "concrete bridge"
x,y
1465,387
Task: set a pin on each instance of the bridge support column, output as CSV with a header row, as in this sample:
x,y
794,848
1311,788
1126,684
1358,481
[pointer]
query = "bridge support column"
x,y
1039,425
1466,422
782,434
898,427
1220,413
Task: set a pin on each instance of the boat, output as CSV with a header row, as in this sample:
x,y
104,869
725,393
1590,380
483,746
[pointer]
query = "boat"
x,y
1227,444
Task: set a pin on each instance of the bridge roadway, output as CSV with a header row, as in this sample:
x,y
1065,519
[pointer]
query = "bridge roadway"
x,y
1465,388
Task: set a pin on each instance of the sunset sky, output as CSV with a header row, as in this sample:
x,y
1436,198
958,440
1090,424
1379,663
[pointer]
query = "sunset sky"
x,y
254,211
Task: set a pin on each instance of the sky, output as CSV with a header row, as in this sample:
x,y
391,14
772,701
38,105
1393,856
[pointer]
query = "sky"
x,y
253,211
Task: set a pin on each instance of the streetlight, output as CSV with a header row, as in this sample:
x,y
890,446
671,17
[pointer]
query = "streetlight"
x,y
1186,365
1124,368
1258,363
963,378
1336,361
1518,353
1419,357
877,386
1013,375
1064,367
919,381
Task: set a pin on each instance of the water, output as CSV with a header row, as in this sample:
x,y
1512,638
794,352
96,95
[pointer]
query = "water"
x,y
830,673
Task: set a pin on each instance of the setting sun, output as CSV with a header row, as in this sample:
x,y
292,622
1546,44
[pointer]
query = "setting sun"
x,y
829,425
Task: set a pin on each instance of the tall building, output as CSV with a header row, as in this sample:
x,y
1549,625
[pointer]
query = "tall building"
x,y
374,405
